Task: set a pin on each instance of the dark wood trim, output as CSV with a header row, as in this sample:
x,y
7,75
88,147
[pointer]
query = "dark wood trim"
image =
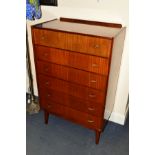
x,y
114,25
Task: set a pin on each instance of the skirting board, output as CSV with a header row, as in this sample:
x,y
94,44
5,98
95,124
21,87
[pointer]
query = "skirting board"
x,y
117,117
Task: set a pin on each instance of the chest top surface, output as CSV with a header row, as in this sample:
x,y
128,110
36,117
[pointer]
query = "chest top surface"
x,y
81,28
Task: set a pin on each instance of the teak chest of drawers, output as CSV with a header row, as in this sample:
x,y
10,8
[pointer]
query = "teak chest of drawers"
x,y
72,60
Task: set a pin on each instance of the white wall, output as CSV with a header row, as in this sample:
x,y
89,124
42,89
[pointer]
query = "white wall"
x,y
99,10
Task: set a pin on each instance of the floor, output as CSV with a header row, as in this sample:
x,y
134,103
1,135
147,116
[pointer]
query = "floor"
x,y
61,137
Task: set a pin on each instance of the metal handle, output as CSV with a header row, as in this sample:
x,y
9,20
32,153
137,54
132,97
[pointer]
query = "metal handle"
x,y
96,46
90,121
94,65
92,95
93,81
91,109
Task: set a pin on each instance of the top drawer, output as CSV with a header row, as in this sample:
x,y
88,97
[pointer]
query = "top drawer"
x,y
74,42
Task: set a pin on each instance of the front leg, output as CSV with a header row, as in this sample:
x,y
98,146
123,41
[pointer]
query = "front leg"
x,y
46,116
97,136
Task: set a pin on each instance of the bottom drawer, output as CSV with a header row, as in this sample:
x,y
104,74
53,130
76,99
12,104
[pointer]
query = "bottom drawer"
x,y
78,117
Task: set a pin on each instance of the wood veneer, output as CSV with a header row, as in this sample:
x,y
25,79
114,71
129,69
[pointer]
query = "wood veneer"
x,y
63,40
72,60
73,75
79,117
90,107
71,88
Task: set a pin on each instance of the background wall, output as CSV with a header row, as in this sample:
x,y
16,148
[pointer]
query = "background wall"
x,y
99,10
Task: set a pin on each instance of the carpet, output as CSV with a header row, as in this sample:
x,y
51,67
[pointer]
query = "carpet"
x,y
61,137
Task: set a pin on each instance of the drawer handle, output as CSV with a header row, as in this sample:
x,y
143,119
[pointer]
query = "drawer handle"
x,y
93,81
96,46
92,95
94,65
90,121
91,109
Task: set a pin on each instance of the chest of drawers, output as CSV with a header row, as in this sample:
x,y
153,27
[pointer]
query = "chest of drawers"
x,y
72,63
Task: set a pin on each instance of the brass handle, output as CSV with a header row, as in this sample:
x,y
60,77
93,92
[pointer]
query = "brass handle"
x,y
93,81
91,109
92,95
94,65
96,46
90,121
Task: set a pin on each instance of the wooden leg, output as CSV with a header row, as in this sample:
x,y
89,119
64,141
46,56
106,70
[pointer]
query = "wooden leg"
x,y
46,116
97,136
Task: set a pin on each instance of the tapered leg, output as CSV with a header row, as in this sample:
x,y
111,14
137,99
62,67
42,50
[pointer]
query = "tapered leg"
x,y
97,136
46,116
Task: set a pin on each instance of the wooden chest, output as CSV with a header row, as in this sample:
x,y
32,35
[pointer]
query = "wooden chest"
x,y
72,61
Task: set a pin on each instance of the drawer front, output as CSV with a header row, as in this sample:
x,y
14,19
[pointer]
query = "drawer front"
x,y
74,42
80,61
76,116
73,75
89,107
72,89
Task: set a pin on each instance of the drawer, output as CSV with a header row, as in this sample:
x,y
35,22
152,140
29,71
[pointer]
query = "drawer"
x,y
89,107
71,89
73,75
80,61
74,42
75,116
